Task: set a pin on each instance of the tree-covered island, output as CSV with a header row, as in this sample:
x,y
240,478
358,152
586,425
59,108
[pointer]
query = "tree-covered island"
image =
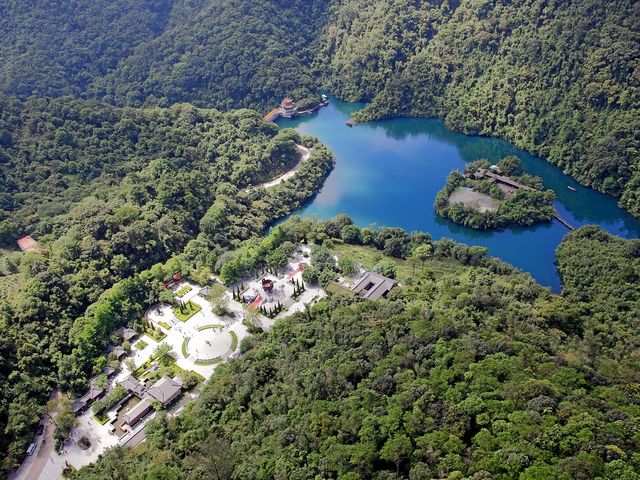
x,y
494,196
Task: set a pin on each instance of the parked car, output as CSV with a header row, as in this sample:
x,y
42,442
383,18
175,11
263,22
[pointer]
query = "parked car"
x,y
40,429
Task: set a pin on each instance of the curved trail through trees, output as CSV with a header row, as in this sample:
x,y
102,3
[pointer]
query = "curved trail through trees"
x,y
304,156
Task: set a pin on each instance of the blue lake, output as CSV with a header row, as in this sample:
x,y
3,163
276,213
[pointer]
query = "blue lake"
x,y
388,173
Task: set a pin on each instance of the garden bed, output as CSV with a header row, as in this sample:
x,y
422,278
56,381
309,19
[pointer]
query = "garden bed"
x,y
186,311
209,326
165,325
156,335
212,361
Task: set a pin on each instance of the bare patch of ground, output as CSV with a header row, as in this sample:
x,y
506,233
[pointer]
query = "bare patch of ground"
x,y
476,200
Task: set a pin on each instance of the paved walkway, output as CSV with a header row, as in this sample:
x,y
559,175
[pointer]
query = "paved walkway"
x,y
304,156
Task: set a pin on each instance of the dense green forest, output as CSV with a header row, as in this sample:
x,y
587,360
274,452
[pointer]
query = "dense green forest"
x,y
112,194
469,370
127,152
60,48
559,78
224,54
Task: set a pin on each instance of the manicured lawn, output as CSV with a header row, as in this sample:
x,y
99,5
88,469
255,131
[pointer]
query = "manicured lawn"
x,y
234,341
368,257
141,345
165,325
188,310
185,346
211,325
157,335
183,291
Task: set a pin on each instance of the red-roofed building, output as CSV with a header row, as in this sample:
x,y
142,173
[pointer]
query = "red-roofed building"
x,y
28,244
288,108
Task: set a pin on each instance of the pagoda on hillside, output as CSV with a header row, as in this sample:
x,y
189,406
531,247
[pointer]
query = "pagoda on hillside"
x,y
288,108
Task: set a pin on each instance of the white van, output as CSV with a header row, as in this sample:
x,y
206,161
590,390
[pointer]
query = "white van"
x,y
31,449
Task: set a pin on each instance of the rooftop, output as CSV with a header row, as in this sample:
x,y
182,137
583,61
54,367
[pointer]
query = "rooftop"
x,y
137,412
127,333
28,244
165,389
372,286
92,394
131,385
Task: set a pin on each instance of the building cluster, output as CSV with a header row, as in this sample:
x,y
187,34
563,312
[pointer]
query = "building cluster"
x,y
117,352
164,391
494,175
287,109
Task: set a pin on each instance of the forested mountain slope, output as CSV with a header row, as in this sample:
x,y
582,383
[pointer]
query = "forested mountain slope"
x,y
224,53
54,48
112,194
560,79
468,372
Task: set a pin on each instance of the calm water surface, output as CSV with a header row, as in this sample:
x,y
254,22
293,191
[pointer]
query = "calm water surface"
x,y
388,174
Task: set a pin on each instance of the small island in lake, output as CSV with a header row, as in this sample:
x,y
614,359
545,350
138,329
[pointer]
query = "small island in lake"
x,y
492,196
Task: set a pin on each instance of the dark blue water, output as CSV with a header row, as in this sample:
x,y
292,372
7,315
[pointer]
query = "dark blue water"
x,y
388,173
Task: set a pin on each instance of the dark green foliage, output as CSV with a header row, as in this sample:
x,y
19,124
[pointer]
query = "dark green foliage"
x,y
113,194
227,54
601,276
60,48
473,375
558,79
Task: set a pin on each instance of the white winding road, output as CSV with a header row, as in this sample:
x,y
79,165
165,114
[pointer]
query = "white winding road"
x,y
304,156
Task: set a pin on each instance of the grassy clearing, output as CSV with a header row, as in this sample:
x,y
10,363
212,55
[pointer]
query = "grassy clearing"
x,y
187,311
185,346
368,257
141,345
209,326
10,285
234,341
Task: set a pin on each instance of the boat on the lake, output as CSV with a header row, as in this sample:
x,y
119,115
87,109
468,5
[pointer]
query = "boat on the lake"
x,y
573,189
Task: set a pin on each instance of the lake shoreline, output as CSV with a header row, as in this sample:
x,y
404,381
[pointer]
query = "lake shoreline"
x,y
452,128
388,172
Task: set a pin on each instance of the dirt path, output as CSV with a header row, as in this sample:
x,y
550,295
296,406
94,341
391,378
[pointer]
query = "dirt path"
x,y
304,155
